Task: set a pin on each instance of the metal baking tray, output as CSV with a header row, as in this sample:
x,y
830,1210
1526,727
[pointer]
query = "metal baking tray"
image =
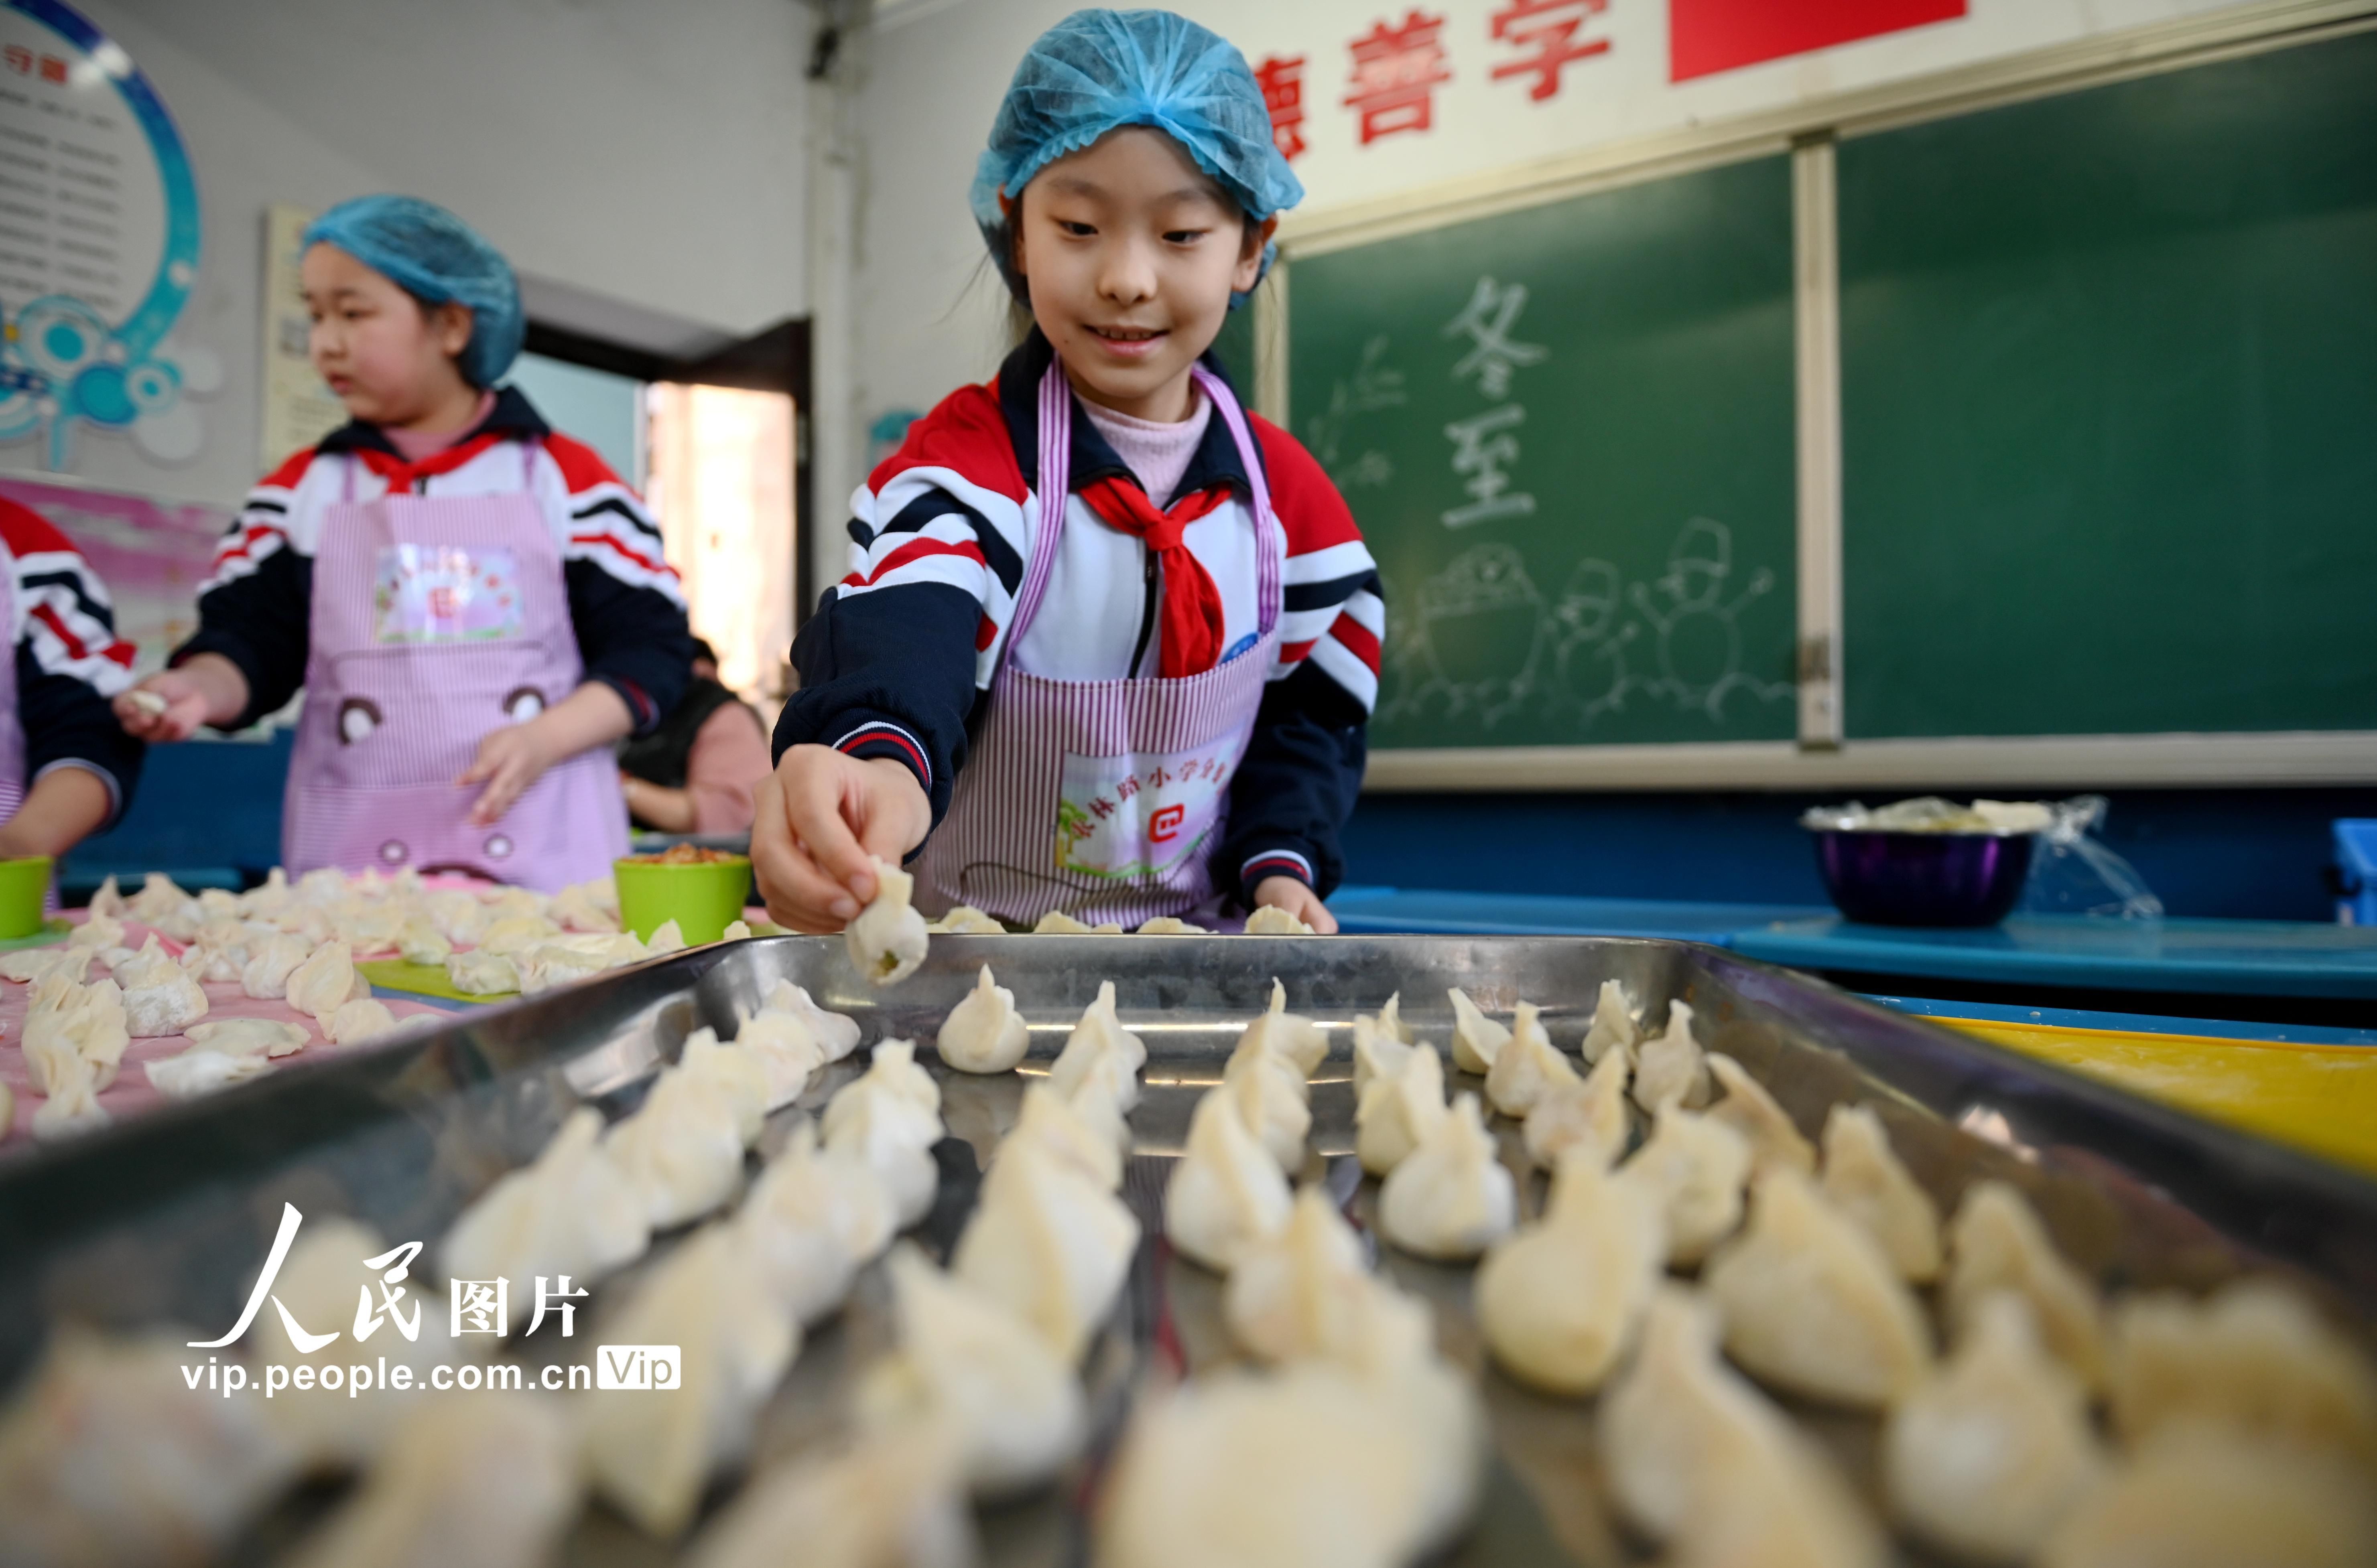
x,y
167,1219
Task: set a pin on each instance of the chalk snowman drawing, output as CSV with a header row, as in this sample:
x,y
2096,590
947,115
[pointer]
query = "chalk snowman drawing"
x,y
1589,640
1697,632
1477,644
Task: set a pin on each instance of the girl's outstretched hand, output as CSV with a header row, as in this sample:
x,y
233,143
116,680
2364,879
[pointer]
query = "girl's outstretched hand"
x,y
1287,892
823,817
172,704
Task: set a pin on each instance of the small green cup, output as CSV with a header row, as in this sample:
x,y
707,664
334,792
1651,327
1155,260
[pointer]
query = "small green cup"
x,y
701,896
23,886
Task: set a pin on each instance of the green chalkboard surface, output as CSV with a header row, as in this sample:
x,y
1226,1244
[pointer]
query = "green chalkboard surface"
x,y
1567,433
2110,407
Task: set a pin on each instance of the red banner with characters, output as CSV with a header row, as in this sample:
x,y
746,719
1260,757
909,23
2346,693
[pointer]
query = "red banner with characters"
x,y
1708,36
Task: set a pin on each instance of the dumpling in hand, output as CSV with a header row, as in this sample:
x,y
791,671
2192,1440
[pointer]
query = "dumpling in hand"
x,y
2205,1495
1577,1115
2254,1356
1614,1022
1397,1110
1477,1039
984,1033
1986,1457
1102,1050
651,1459
1865,1179
1775,1141
1271,920
1812,1305
1559,1302
573,1212
1451,1199
1013,1402
888,940
1528,1068
812,1220
1225,1193
1049,1243
1996,1242
1697,1168
1288,1035
1670,1065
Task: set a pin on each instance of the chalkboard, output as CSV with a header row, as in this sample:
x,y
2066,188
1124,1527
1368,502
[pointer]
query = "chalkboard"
x,y
2109,406
1567,433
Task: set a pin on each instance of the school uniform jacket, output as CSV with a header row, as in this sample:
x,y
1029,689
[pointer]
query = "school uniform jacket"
x,y
898,660
70,663
626,604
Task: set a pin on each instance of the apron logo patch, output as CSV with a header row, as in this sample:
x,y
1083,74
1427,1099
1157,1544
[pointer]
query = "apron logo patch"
x,y
446,593
1141,815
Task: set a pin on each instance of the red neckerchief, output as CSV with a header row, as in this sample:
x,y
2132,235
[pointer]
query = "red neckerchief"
x,y
401,475
1191,616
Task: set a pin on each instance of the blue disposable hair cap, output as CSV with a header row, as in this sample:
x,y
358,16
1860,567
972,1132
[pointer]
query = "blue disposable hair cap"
x,y
1098,70
435,256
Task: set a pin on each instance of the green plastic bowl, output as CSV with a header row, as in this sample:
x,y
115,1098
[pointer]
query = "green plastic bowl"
x,y
701,896
23,886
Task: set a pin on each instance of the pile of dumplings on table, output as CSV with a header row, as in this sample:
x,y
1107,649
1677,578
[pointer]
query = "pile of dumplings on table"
x,y
1704,1288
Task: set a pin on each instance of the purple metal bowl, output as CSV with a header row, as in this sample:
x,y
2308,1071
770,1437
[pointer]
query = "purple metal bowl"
x,y
1935,879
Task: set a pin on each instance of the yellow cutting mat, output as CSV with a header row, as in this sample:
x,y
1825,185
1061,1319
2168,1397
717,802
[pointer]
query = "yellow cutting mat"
x,y
2319,1098
421,980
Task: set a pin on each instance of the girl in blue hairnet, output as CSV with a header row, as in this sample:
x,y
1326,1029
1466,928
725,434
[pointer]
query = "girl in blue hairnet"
x,y
476,605
1108,644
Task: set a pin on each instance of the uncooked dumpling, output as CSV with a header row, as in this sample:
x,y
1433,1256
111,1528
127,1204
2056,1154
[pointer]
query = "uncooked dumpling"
x,y
515,935
888,940
1477,1039
30,964
325,980
470,1480
110,901
1376,1053
1049,1243
588,906
1055,923
1987,1455
733,1073
891,1071
1397,1110
885,1123
682,1149
889,1500
964,1357
1810,1303
317,1285
1101,1050
1171,925
98,932
2254,1356
573,1212
1864,1178
812,1218
1614,1022
550,965
1271,1095
165,1004
197,1071
1669,1066
787,1053
1452,1198
1698,1167
1698,1458
984,1033
1272,920
651,1457
1284,1034
1225,1193
1573,1115
358,1020
1054,1124
1775,1141
72,1105
835,1033
1292,1294
1528,1068
250,1037
1559,1302
966,920
475,973
2204,1495
85,1022
1996,1242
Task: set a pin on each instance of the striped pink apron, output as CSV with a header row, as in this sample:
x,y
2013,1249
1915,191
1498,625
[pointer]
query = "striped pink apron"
x,y
1104,799
434,622
12,728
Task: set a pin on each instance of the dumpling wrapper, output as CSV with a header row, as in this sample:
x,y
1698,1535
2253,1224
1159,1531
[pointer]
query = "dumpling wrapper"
x,y
1049,1243
1591,1113
1272,920
1559,1302
1865,1179
888,940
1226,1193
1477,1039
574,1211
1015,1403
250,1037
813,1219
1997,1242
984,1033
1288,1035
1990,1454
652,1457
2204,1495
1398,1109
469,1480
1670,1065
1775,1141
1527,1069
1615,1022
1813,1305
1452,1198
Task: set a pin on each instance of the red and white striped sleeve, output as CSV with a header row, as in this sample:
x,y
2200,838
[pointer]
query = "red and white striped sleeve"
x,y
263,525
63,614
608,525
1333,618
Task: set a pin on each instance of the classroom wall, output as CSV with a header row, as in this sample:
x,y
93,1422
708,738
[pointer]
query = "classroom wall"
x,y
617,151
